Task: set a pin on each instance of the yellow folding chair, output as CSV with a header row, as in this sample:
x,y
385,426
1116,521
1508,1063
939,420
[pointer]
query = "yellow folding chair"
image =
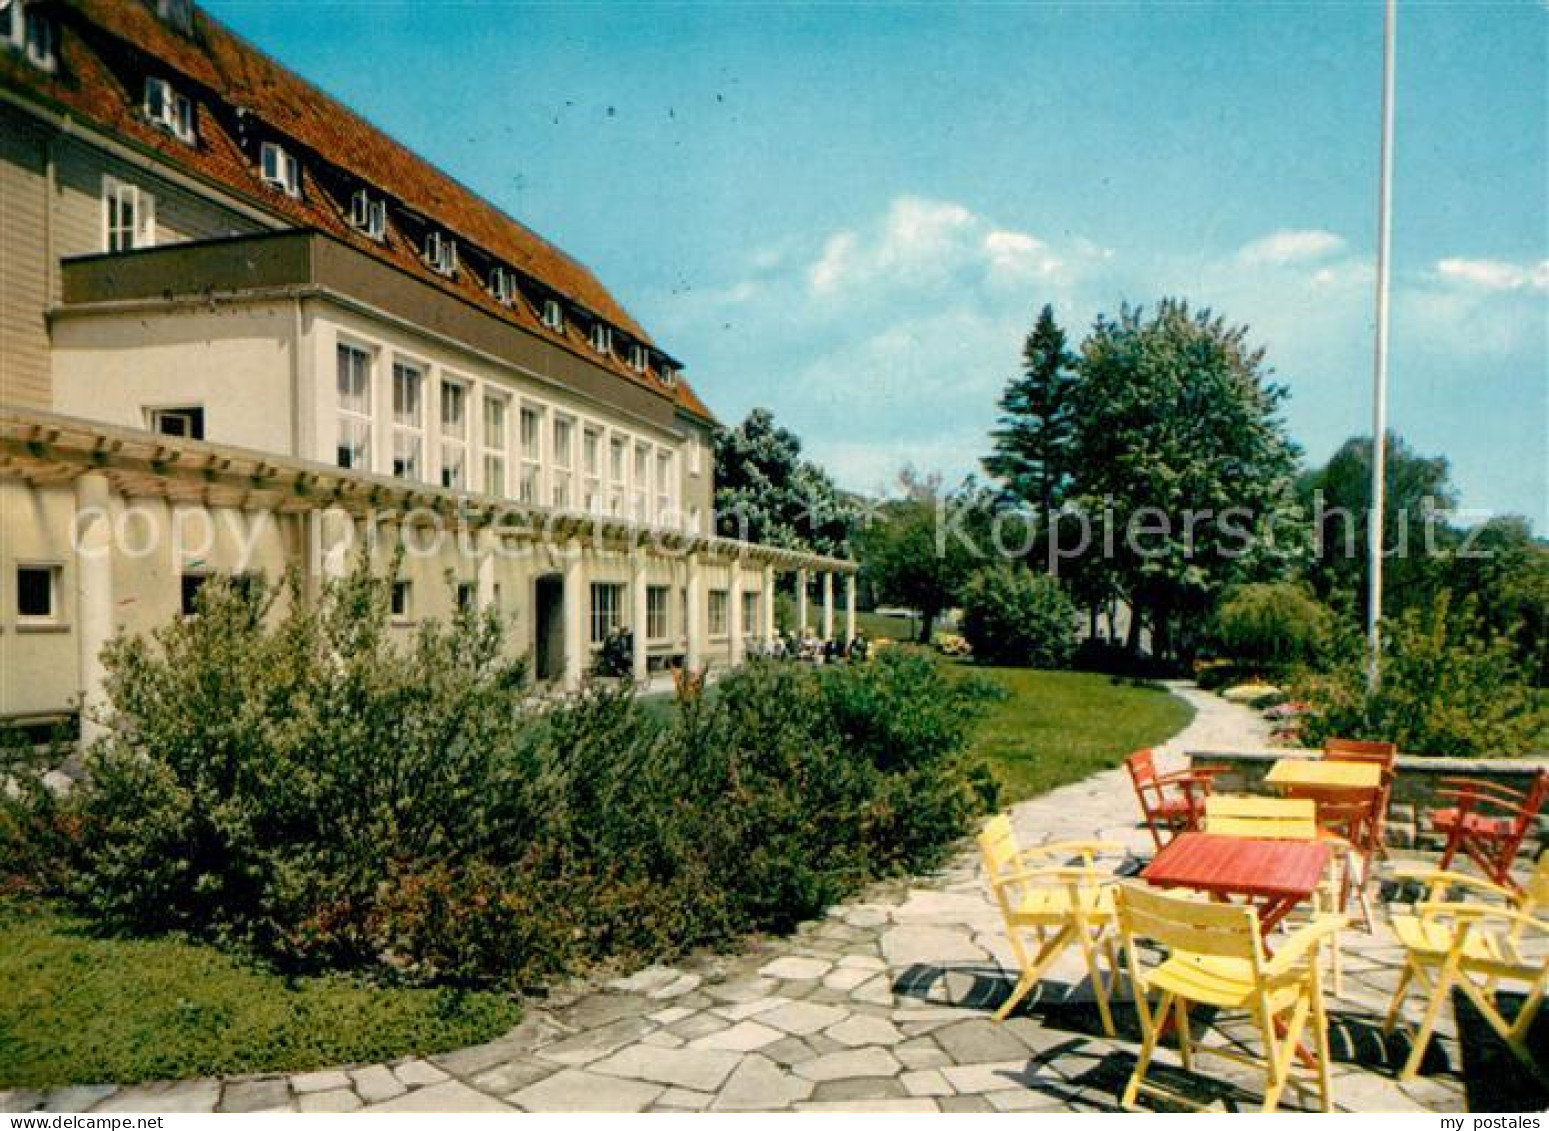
x,y
1475,947
1064,904
1216,958
1286,818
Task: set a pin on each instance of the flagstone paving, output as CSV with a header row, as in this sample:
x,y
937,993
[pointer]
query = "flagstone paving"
x,y
882,1005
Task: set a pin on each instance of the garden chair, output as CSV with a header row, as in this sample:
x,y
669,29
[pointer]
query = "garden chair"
x,y
1064,904
1384,754
1288,818
1489,822
1216,959
1168,802
1475,947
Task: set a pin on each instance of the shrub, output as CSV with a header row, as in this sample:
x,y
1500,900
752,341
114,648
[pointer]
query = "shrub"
x,y
1447,688
1019,618
283,776
1273,626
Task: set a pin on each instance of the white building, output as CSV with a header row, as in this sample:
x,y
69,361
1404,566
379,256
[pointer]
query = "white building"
x,y
239,326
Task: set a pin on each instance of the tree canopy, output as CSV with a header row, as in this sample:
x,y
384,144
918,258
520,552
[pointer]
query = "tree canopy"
x,y
766,492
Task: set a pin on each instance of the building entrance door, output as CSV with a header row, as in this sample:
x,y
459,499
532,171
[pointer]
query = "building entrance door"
x,y
549,627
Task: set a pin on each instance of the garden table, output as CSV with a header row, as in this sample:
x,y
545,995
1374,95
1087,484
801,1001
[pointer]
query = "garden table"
x,y
1312,777
1272,875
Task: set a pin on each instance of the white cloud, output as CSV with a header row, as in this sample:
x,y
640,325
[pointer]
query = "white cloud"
x,y
1287,246
1494,274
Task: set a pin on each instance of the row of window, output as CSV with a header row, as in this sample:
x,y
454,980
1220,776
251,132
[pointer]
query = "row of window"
x,y
553,459
38,602
608,603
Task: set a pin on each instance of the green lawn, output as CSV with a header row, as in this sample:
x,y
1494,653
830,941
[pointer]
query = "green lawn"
x,y
1058,727
78,1009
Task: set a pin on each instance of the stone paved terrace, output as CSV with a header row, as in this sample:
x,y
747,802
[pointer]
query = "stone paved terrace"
x,y
883,1005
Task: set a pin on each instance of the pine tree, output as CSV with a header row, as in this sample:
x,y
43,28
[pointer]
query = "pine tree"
x,y
1034,439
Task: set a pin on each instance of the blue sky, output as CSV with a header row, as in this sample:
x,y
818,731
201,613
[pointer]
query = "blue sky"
x,y
850,213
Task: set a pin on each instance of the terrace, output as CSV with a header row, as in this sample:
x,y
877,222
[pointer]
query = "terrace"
x,y
886,1004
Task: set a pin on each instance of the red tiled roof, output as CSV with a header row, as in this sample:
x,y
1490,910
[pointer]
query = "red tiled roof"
x,y
246,79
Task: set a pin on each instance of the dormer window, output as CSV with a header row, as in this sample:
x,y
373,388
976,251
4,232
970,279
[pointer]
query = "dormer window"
x,y
669,375
602,337
177,13
502,284
441,254
553,314
279,168
169,110
27,27
639,358
368,215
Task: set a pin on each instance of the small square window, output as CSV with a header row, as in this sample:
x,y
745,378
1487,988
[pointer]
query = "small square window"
x,y
186,422
279,168
368,215
553,315
37,593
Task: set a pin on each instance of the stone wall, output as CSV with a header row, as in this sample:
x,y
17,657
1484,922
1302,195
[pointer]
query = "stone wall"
x,y
1415,790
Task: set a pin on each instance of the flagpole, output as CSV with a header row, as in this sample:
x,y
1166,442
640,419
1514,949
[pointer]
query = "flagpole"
x,y
1380,366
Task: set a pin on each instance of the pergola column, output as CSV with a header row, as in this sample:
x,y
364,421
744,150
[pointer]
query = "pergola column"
x,y
801,604
734,613
694,614
849,608
828,605
576,640
486,575
93,593
639,659
766,607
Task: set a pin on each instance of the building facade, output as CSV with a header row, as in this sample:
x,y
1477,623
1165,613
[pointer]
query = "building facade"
x,y
242,330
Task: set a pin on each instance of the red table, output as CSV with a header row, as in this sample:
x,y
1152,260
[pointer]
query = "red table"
x,y
1273,875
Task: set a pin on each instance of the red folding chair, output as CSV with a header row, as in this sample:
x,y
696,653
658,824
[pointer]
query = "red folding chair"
x,y
1489,823
1384,754
1172,802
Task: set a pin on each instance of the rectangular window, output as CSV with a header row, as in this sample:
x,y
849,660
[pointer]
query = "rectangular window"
x,y
664,490
353,449
502,284
402,601
639,358
553,314
408,421
368,215
693,456
719,603
454,434
640,487
186,422
41,38
563,462
467,596
37,594
656,612
169,110
669,375
279,168
441,253
495,445
750,625
616,460
591,463
607,599
129,216
189,587
532,454
602,337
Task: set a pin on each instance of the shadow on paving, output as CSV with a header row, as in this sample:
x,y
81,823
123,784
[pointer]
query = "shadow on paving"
x,y
1493,1078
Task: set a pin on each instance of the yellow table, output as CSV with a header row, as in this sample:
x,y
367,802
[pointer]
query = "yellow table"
x,y
1307,777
